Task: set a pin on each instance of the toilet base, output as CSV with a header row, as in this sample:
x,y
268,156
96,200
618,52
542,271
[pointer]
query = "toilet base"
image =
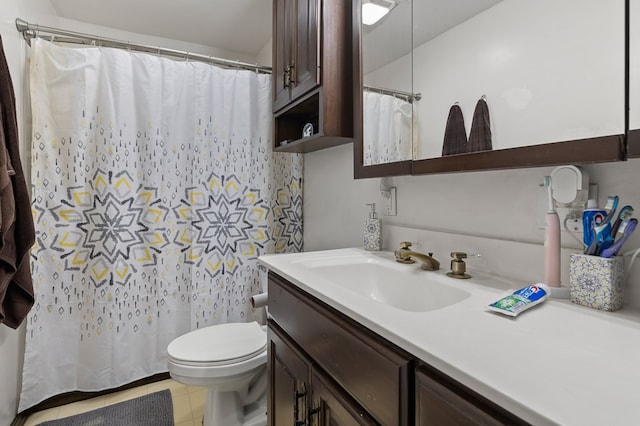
x,y
225,408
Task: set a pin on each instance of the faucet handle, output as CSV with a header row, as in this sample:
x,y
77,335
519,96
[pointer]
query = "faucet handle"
x,y
458,267
457,255
462,255
405,245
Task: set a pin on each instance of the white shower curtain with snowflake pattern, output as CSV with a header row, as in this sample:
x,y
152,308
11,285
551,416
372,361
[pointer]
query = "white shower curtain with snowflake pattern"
x,y
155,189
388,128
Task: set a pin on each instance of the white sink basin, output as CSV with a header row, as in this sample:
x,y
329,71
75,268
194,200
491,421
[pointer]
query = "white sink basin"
x,y
405,287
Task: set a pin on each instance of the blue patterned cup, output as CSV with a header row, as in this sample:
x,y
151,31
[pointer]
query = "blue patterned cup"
x,y
597,282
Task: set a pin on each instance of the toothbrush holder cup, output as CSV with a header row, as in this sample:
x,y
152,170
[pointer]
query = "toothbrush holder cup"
x,y
597,282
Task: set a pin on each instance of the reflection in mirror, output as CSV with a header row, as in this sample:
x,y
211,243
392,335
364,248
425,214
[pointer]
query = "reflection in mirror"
x,y
387,98
387,127
549,71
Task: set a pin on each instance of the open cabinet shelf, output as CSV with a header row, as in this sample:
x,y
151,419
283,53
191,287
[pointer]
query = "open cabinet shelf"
x,y
289,125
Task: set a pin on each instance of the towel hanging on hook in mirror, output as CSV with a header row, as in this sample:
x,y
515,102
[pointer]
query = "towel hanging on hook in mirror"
x,y
480,135
455,135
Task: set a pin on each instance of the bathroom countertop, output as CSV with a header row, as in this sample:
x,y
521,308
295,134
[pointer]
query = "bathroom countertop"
x,y
556,363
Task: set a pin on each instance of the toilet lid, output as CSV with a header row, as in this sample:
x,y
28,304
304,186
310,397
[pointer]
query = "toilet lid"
x,y
223,343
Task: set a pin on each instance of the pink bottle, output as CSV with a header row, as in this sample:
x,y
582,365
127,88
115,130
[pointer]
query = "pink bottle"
x,y
552,250
551,242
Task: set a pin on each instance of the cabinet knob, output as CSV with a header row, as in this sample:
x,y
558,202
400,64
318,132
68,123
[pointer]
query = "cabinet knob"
x,y
312,412
296,409
288,76
292,74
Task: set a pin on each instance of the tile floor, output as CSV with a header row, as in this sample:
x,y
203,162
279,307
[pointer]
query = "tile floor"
x,y
188,403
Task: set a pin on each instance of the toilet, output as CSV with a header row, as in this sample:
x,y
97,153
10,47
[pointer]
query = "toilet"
x,y
230,360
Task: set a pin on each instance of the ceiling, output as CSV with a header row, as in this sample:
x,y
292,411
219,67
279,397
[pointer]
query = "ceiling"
x,y
242,26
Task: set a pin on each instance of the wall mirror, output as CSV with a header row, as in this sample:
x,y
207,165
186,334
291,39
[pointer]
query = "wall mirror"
x,y
544,79
387,103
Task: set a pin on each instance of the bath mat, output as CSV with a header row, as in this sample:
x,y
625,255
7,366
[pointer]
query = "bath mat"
x,y
155,409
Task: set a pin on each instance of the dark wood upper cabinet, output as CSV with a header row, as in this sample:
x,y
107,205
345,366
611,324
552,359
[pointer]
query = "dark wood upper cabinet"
x,y
296,37
312,74
555,84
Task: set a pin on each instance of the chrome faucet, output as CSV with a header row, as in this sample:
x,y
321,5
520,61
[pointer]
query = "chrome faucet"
x,y
405,255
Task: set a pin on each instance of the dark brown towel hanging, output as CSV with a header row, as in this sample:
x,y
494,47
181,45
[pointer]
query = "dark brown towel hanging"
x,y
17,233
455,135
480,136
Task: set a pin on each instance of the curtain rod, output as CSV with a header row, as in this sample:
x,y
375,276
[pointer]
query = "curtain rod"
x,y
409,97
30,31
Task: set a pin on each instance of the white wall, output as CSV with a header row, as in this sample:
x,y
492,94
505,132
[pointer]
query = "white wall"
x,y
264,56
498,205
15,48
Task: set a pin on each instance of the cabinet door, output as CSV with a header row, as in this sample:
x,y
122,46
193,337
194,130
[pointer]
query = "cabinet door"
x,y
442,402
283,33
305,73
296,32
288,374
332,406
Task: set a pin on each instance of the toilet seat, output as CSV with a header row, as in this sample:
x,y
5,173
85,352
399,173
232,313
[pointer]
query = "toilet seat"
x,y
218,345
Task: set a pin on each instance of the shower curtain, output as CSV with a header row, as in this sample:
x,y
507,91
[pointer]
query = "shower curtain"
x,y
387,123
155,189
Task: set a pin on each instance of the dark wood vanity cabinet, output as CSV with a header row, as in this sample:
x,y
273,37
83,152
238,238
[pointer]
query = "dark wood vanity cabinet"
x,y
312,74
326,369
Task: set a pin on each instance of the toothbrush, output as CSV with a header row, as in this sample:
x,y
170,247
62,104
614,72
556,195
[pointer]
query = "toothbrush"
x,y
591,250
601,232
626,229
625,213
610,208
603,238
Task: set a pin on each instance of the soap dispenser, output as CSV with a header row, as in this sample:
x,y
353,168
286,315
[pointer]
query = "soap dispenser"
x,y
372,230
